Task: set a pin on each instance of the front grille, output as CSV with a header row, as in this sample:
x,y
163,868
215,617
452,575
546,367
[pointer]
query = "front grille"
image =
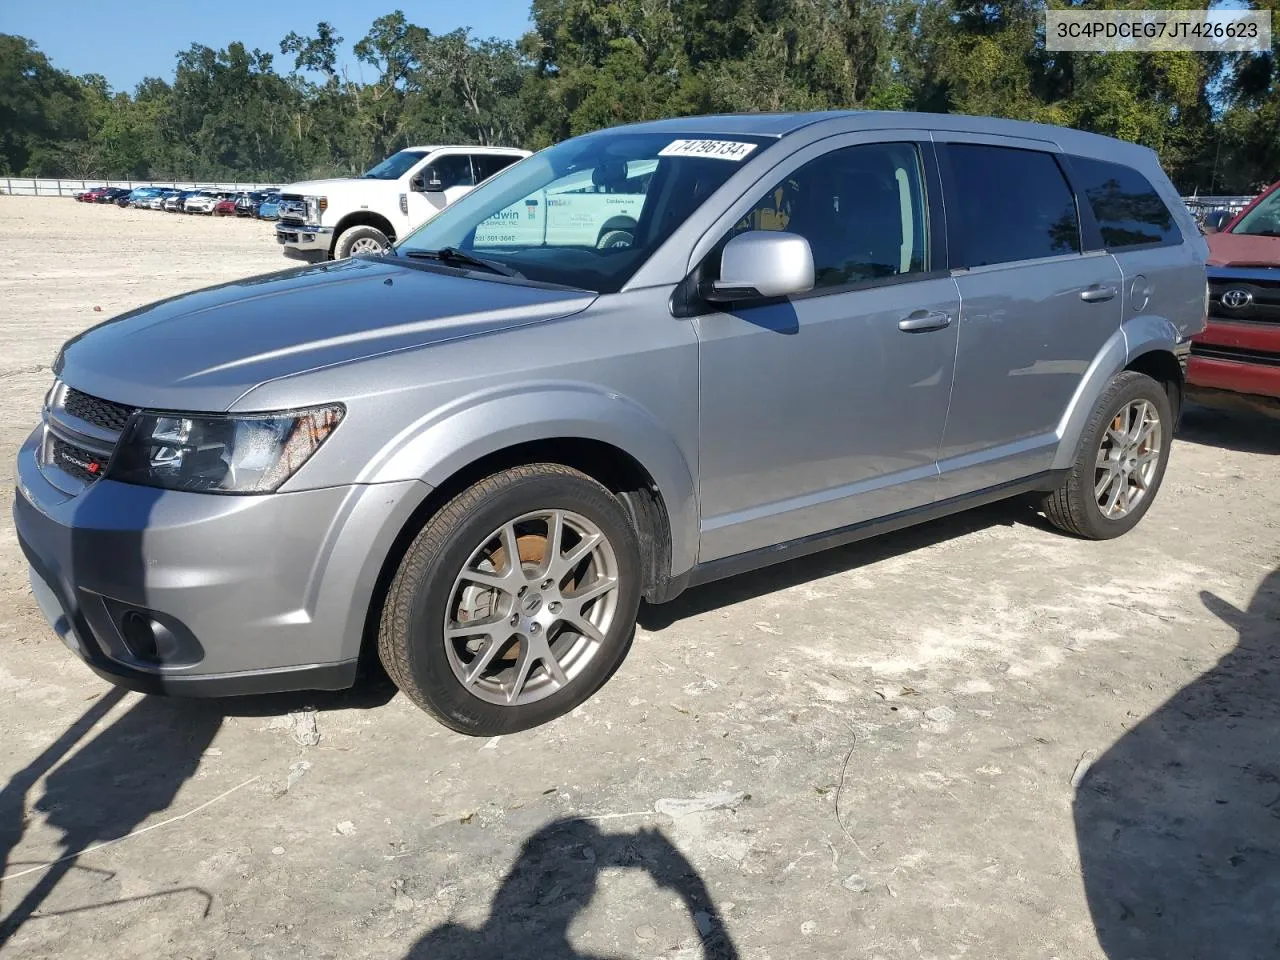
x,y
293,207
1261,292
82,464
101,413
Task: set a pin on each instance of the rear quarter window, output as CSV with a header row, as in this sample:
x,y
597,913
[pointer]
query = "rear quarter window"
x,y
1129,211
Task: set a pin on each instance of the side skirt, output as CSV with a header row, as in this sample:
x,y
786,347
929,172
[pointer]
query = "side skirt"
x,y
793,549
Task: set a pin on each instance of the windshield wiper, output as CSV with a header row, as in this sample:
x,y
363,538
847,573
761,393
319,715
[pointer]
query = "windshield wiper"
x,y
452,256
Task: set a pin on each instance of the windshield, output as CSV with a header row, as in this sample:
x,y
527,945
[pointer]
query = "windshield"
x,y
1264,219
395,166
587,212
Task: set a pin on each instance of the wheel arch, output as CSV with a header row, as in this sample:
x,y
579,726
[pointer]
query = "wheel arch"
x,y
605,437
620,222
362,218
1147,344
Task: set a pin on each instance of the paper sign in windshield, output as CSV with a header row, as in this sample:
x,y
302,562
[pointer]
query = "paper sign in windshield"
x,y
714,149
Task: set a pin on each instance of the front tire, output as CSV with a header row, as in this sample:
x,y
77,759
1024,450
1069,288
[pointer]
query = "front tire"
x,y
361,240
1120,461
515,602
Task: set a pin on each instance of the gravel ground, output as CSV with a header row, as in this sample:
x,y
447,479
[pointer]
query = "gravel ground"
x,y
975,738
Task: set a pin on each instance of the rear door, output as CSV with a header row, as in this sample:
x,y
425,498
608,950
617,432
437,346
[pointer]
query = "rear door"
x,y
1135,225
1035,308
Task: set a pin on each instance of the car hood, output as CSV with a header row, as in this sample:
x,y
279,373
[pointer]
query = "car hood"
x,y
321,187
201,351
1243,250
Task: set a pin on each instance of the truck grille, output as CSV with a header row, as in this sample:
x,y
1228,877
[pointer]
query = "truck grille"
x,y
293,208
1254,298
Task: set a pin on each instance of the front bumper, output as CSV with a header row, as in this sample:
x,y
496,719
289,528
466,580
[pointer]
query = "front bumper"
x,y
304,241
247,594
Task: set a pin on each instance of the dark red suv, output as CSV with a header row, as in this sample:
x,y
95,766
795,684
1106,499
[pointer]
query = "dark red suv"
x,y
1237,358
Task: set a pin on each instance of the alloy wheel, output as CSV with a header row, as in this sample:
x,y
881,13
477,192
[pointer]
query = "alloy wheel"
x,y
531,607
1128,459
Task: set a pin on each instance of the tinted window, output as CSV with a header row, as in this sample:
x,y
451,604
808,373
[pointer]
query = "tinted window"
x,y
453,171
486,165
1128,209
1011,205
395,166
861,208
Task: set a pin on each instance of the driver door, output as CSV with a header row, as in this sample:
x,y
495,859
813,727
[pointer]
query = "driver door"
x,y
445,179
826,409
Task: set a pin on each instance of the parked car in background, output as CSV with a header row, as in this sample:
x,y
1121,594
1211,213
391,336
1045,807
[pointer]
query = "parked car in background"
x,y
157,200
477,453
332,219
202,201
176,201
1236,361
79,195
247,203
225,207
111,194
269,209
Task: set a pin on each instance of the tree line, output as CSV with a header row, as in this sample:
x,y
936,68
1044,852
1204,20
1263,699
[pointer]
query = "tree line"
x,y
294,112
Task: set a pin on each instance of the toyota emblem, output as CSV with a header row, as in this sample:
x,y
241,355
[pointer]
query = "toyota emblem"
x,y
1237,298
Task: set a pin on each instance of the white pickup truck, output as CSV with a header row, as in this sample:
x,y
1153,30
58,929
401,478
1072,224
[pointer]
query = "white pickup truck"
x,y
574,211
333,219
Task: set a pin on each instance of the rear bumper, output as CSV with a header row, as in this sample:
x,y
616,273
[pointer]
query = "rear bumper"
x,y
304,241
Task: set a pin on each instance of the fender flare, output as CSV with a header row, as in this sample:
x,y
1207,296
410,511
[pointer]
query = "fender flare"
x,y
446,441
1135,337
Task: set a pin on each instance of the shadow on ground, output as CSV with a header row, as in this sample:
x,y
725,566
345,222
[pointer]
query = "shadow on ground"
x,y
555,879
793,573
1246,431
1178,823
99,786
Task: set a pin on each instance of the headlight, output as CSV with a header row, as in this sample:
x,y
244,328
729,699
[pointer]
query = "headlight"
x,y
252,453
316,206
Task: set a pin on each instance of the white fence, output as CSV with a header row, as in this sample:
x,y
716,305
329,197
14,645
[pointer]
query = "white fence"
x,y
32,187
1202,206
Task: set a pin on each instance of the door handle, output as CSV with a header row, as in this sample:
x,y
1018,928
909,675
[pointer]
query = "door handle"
x,y
923,320
1097,293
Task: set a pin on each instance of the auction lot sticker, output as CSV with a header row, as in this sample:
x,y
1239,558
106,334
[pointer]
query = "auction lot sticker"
x,y
715,149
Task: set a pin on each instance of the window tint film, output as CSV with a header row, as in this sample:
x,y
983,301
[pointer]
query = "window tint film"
x,y
453,171
1012,205
1128,209
861,208
487,165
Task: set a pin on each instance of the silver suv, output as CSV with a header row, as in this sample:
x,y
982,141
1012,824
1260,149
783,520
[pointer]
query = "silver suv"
x,y
474,456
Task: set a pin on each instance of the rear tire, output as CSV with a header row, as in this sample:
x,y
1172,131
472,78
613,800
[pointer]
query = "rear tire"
x,y
360,240
1120,461
489,646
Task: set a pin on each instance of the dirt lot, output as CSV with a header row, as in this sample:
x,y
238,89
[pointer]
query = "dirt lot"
x,y
977,738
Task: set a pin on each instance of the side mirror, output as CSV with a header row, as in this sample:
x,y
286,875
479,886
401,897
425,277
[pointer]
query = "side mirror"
x,y
762,263
1215,220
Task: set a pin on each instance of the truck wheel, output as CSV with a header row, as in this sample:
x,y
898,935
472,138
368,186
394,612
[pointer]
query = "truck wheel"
x,y
515,602
361,240
1119,463
614,238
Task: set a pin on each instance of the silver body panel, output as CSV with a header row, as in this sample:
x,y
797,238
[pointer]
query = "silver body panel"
x,y
758,424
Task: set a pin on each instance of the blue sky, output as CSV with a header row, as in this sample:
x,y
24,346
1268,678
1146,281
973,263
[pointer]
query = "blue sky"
x,y
145,35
